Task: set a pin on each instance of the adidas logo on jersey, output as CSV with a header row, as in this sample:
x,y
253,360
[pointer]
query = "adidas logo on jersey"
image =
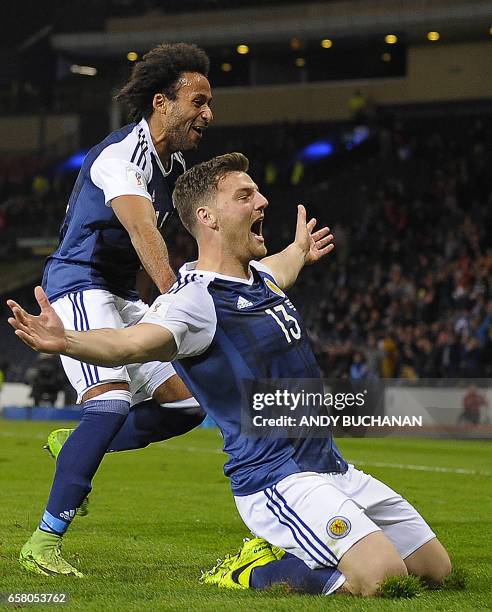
x,y
243,303
67,515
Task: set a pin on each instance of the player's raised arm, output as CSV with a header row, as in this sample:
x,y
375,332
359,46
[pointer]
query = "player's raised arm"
x,y
308,248
107,347
137,215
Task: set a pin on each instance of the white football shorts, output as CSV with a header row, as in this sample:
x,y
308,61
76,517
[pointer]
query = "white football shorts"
x,y
97,308
318,517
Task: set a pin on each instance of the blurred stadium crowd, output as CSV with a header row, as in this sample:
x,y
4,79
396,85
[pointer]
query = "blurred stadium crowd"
x,y
409,294
408,290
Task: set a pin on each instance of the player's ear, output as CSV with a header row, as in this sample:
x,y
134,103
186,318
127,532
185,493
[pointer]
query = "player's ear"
x,y
159,103
206,216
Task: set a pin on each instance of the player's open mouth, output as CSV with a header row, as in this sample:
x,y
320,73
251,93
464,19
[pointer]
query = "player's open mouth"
x,y
198,129
257,229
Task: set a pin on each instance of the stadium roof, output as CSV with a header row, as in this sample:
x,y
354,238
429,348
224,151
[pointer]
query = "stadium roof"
x,y
342,18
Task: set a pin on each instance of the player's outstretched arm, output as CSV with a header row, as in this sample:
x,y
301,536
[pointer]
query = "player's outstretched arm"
x,y
105,347
308,248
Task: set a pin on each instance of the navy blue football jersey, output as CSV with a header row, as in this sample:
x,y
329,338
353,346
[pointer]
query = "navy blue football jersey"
x,y
229,331
95,250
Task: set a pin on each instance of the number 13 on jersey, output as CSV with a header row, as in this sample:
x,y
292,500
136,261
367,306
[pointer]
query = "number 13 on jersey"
x,y
292,332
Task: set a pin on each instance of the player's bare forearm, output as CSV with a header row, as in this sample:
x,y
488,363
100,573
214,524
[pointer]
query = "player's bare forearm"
x,y
286,265
152,252
115,347
308,248
137,215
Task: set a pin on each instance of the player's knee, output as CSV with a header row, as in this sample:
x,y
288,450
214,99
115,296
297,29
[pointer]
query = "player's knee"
x,y
443,569
195,417
439,568
367,581
369,562
431,562
172,390
179,421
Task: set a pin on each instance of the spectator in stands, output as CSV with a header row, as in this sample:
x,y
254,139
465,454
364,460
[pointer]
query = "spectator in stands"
x,y
359,369
46,379
358,107
473,403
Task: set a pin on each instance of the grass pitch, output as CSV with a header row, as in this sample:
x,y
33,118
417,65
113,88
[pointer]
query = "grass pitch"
x,y
160,514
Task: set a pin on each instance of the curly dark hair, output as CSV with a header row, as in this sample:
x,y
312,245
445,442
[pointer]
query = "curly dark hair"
x,y
199,184
158,72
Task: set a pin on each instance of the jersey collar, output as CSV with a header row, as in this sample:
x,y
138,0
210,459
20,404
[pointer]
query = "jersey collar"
x,y
191,267
143,124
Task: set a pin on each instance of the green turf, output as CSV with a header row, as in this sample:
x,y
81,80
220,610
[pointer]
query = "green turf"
x,y
159,515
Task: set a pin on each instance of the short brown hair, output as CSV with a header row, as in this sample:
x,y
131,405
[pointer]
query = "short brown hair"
x,y
158,72
199,183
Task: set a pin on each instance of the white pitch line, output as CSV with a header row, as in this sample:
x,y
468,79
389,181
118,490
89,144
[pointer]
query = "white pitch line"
x,y
400,466
192,449
11,434
423,468
217,451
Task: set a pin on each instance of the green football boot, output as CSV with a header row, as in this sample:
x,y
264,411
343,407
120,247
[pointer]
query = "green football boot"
x,y
56,440
278,552
41,554
234,572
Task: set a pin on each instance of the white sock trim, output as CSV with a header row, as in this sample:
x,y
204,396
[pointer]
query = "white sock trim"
x,y
187,403
116,394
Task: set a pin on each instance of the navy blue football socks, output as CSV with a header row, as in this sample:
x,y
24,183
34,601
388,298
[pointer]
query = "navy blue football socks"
x,y
297,575
79,459
150,422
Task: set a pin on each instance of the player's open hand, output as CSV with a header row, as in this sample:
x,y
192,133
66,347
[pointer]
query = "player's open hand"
x,y
44,333
314,244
